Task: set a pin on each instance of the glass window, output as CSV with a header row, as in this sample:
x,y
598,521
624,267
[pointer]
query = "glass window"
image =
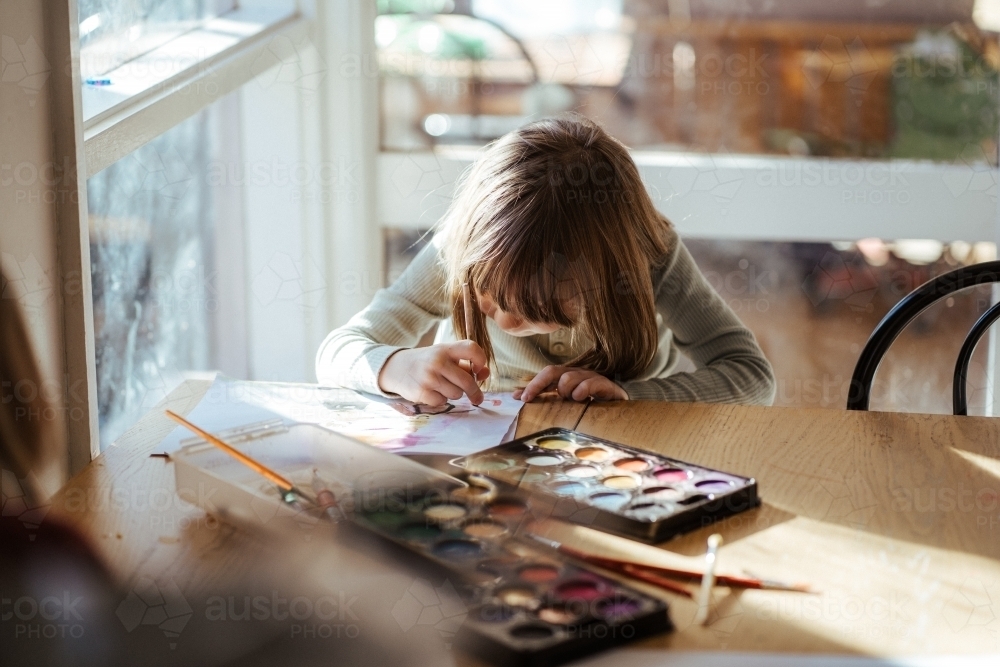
x,y
880,80
813,306
152,246
112,32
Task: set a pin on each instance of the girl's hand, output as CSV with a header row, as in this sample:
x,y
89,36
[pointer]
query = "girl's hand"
x,y
573,383
433,375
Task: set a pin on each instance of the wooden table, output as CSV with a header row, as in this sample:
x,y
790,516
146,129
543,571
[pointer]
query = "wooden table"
x,y
893,517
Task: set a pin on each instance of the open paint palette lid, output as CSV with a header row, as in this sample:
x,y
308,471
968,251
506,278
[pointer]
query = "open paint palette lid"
x,y
309,456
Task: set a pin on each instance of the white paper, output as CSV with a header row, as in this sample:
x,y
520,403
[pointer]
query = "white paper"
x,y
464,429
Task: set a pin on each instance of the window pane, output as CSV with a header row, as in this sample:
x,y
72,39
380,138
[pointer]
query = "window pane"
x,y
813,306
151,243
401,246
113,32
864,80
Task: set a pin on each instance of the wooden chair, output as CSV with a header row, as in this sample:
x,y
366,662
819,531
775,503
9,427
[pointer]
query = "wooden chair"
x,y
905,311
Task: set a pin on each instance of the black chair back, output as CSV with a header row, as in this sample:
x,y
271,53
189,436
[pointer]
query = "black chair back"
x,y
905,311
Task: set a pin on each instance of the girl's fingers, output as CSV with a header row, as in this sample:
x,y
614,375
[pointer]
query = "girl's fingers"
x,y
468,350
600,388
482,372
436,390
517,394
547,376
570,380
431,397
444,386
593,387
460,378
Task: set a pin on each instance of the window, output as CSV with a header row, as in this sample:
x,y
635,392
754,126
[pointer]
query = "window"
x,y
910,82
227,196
113,32
168,247
154,270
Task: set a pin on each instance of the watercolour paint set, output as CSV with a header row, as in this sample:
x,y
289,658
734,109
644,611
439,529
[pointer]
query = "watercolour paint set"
x,y
527,603
612,487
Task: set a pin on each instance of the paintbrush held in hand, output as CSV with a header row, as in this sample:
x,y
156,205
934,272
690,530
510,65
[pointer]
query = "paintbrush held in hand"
x,y
469,323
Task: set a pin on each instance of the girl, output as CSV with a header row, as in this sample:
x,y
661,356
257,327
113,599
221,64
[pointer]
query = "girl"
x,y
578,285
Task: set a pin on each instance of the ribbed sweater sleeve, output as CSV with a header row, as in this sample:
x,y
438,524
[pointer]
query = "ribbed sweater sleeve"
x,y
353,355
730,366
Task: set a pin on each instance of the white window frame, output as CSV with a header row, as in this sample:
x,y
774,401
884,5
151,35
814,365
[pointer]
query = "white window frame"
x,y
749,197
178,79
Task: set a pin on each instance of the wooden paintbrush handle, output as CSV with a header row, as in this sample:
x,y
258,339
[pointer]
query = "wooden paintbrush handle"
x,y
272,476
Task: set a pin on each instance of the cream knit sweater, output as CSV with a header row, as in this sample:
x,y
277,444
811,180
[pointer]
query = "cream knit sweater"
x,y
691,317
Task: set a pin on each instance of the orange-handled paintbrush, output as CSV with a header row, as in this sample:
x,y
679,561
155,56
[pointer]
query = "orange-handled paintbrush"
x,y
286,486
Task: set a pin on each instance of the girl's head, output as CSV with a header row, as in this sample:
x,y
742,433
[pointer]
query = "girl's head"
x,y
553,228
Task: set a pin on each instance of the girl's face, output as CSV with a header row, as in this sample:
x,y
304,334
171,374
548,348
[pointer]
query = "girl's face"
x,y
512,324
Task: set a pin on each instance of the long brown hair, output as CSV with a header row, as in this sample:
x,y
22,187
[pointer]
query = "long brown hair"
x,y
552,211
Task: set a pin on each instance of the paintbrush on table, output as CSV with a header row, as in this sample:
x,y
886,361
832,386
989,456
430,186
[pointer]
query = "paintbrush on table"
x,y
664,576
708,579
620,566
